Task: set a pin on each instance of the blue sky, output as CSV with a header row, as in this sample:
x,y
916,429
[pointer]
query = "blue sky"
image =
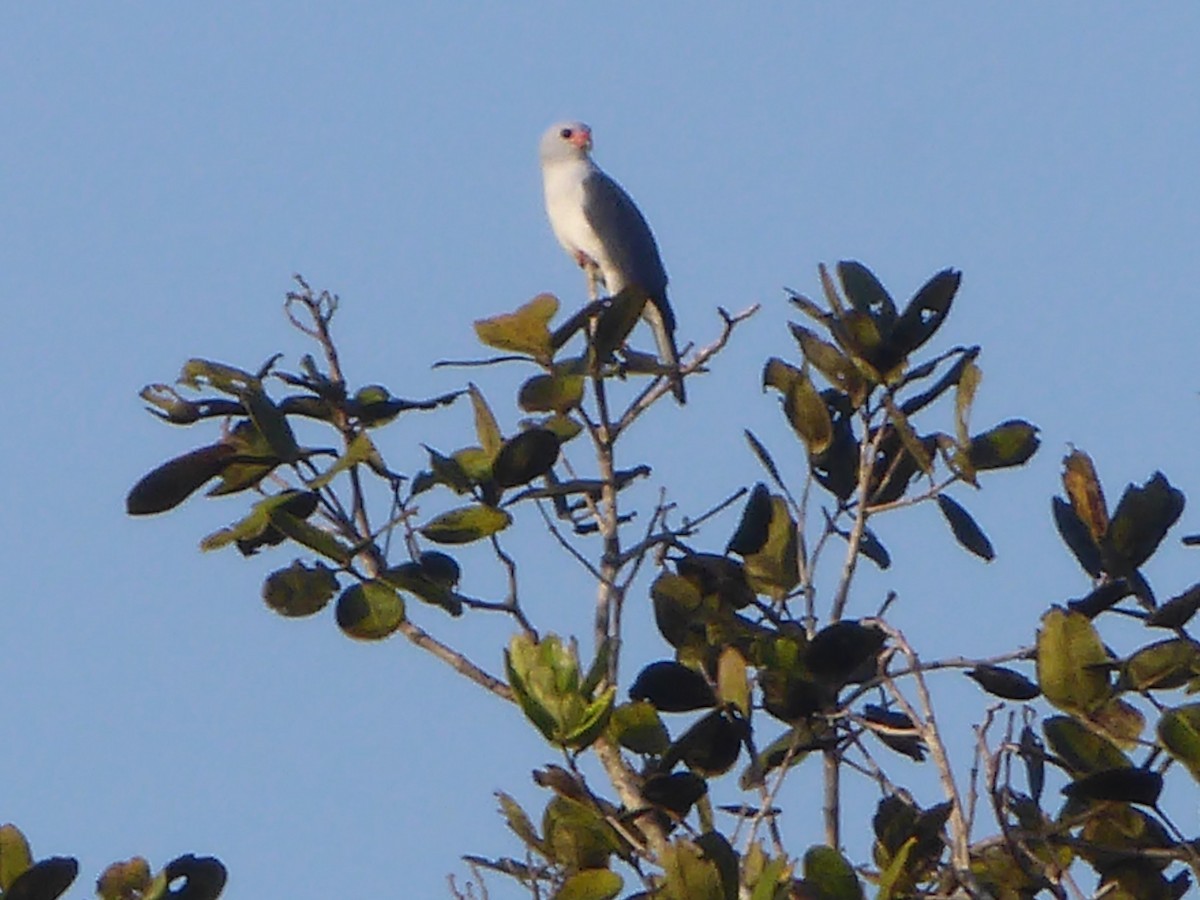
x,y
165,170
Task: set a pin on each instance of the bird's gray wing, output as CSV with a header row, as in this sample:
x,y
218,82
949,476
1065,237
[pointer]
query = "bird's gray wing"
x,y
626,237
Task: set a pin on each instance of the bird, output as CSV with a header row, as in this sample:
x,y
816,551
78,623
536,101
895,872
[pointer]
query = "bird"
x,y
602,229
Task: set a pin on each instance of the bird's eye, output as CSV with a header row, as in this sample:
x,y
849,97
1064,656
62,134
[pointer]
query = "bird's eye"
x,y
565,134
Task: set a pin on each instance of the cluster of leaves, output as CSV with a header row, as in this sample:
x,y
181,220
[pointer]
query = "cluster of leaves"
x,y
740,649
770,671
186,878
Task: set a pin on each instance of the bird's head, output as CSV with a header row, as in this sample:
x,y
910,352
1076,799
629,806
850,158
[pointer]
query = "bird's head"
x,y
565,140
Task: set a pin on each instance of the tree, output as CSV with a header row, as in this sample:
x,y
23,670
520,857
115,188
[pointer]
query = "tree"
x,y
791,676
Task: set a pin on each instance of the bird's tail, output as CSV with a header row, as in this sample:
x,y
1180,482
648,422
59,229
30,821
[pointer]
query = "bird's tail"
x,y
663,327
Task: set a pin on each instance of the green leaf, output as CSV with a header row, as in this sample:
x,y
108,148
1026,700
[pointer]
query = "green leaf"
x,y
590,884
733,683
1085,493
1161,666
832,363
673,687
1011,443
299,590
581,731
896,873
1177,611
254,460
636,726
519,822
689,875
767,885
15,855
964,398
525,457
968,534
1070,662
677,603
558,392
524,331
177,479
199,373
316,539
486,428
256,529
126,880
370,611
360,450
1179,733
576,837
1081,749
774,569
831,874
803,406
718,850
271,423
1141,521
466,524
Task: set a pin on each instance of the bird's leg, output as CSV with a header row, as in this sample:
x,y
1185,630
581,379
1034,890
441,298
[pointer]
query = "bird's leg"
x,y
592,272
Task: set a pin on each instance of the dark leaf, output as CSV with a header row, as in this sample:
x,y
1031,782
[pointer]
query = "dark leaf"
x,y
871,547
676,793
710,747
1006,683
1177,611
1009,444
271,423
925,312
1033,754
673,687
1141,520
617,321
1106,596
427,583
844,650
1076,536
1123,785
177,479
965,529
44,880
717,575
525,457
677,606
204,877
755,524
896,730
763,457
866,294
950,379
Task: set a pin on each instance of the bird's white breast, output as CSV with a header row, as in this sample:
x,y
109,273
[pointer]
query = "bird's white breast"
x,y
563,184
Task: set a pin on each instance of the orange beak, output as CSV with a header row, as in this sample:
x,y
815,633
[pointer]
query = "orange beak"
x,y
582,138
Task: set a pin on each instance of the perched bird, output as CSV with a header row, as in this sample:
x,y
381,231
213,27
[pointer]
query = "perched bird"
x,y
602,229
